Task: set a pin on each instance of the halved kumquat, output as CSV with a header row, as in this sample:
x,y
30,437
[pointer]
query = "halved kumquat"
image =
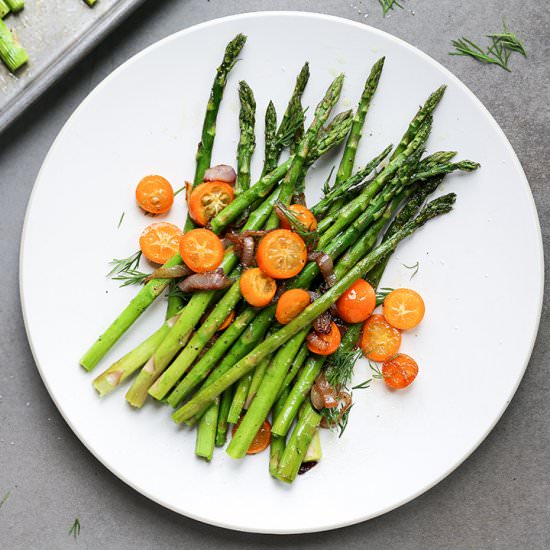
x,y
160,241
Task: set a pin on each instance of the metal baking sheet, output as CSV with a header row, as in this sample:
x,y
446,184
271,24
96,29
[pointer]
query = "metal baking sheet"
x,y
56,34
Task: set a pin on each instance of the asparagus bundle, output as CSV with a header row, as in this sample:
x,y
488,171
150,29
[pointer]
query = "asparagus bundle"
x,y
256,366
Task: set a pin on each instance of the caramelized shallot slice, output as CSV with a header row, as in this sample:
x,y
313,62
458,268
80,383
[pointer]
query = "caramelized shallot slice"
x,y
220,172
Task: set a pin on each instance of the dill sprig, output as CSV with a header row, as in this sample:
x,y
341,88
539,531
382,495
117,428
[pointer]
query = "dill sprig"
x,y
339,373
388,5
498,52
326,186
310,237
333,420
75,529
289,127
4,498
415,267
120,220
339,370
126,270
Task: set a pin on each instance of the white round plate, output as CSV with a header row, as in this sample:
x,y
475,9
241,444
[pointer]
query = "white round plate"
x,y
146,118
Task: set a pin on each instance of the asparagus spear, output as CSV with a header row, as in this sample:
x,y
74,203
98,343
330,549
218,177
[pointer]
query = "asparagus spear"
x,y
239,397
277,445
423,114
206,395
247,141
112,377
15,5
286,134
298,444
4,9
258,376
206,432
11,52
221,430
271,156
348,158
204,150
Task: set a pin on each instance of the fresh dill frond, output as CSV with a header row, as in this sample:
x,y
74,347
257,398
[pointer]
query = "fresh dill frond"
x,y
326,186
339,370
310,237
388,5
414,268
131,277
126,270
509,40
333,420
120,220
497,53
363,385
291,125
376,372
4,498
75,529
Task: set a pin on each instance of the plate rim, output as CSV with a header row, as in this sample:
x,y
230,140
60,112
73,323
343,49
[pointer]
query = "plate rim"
x,y
483,110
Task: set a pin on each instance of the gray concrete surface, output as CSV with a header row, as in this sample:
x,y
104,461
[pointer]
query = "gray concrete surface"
x,y
499,498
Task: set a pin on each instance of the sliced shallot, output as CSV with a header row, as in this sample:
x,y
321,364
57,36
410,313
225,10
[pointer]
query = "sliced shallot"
x,y
220,172
322,325
174,272
211,280
324,261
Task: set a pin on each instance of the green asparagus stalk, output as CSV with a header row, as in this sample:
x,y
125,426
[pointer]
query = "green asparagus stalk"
x,y
207,394
4,9
298,444
348,158
112,377
221,430
15,5
204,151
247,141
11,52
206,432
277,445
286,134
258,376
298,393
314,452
417,122
239,398
271,155
297,364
